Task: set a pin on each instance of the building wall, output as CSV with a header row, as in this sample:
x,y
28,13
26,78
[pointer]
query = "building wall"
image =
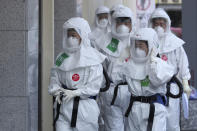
x,y
18,57
63,10
189,21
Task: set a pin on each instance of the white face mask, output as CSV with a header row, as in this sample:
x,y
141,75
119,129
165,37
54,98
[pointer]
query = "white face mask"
x,y
122,29
72,42
103,23
160,31
140,53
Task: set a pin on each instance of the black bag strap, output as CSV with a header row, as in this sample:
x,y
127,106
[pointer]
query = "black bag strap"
x,y
57,111
176,80
107,81
130,107
116,92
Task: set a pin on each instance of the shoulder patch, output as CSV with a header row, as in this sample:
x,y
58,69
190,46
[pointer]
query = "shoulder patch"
x,y
113,45
61,58
145,82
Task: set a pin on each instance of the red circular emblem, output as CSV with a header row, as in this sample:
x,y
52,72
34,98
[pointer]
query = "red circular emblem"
x,y
164,57
127,59
75,77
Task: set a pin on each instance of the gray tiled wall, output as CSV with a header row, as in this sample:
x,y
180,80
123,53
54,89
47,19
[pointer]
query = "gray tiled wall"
x,y
12,14
13,96
18,65
13,112
12,59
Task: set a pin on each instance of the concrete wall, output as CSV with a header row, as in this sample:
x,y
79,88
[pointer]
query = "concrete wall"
x,y
18,65
63,10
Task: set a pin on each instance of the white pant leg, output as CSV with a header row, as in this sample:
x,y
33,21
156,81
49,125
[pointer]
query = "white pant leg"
x,y
119,108
87,117
62,125
100,119
112,115
173,115
173,111
122,101
159,123
138,118
113,119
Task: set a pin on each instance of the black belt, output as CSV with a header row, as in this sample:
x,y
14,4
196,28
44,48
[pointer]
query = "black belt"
x,y
116,92
150,100
75,108
74,112
59,105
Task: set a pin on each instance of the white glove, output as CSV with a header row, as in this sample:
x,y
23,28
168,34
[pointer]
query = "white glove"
x,y
57,98
69,94
186,88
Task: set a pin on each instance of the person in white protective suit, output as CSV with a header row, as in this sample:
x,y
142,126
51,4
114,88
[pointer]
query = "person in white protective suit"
x,y
101,24
171,50
146,76
115,7
115,46
77,77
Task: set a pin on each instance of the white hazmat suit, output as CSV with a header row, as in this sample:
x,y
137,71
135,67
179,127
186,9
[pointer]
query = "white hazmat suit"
x,y
77,73
101,27
116,47
171,50
146,77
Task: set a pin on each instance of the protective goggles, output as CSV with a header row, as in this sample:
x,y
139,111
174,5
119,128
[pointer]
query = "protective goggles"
x,y
123,20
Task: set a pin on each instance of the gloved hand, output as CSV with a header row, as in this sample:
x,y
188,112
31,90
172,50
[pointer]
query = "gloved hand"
x,y
57,98
69,94
186,88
